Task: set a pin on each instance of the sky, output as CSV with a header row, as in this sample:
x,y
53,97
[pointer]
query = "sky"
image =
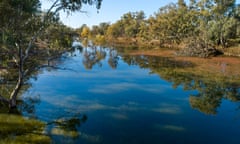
x,y
111,11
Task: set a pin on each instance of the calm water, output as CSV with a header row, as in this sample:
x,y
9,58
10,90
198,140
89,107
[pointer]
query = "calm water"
x,y
100,96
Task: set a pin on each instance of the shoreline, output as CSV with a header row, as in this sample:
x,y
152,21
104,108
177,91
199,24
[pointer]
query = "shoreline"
x,y
219,65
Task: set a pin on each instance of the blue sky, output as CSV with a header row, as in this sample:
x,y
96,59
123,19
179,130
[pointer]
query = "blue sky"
x,y
111,11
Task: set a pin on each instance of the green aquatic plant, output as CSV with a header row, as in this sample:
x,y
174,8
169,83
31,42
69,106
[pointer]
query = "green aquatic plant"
x,y
19,130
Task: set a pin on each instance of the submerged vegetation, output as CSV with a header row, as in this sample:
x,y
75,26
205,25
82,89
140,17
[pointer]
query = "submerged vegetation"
x,y
16,129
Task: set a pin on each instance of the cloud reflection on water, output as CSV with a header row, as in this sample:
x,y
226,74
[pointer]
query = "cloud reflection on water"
x,y
166,108
74,104
169,127
124,86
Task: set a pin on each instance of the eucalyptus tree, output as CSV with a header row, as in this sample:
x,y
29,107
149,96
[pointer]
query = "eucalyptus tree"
x,y
165,24
17,23
217,21
23,22
131,22
225,25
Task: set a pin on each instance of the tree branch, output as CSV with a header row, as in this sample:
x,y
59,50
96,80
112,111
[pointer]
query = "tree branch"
x,y
53,5
34,37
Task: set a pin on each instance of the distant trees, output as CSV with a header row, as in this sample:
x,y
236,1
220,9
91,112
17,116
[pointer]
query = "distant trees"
x,y
214,22
85,32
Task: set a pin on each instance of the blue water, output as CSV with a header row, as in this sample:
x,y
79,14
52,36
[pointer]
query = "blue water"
x,y
126,105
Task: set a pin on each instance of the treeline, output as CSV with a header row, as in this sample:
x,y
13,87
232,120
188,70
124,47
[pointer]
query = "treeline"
x,y
209,22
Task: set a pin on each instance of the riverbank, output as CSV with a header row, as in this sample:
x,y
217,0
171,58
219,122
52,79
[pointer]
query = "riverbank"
x,y
219,65
154,45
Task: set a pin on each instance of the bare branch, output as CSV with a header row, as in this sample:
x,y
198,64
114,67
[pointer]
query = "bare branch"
x,y
15,60
34,37
53,5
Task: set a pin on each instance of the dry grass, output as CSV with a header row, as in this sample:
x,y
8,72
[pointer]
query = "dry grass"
x,y
216,65
232,51
155,52
221,65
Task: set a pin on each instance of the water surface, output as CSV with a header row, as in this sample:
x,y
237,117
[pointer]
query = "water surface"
x,y
101,96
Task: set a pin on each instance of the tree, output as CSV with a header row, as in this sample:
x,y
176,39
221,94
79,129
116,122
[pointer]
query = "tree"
x,y
224,21
115,30
131,22
217,22
95,30
79,30
25,26
85,32
103,28
181,4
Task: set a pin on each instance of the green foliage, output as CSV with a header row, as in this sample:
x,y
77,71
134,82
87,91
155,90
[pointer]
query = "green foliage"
x,y
23,18
101,29
85,33
58,36
216,22
22,24
115,30
99,39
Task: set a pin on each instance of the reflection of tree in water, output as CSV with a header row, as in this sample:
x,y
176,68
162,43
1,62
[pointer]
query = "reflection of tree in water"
x,y
67,130
66,126
113,58
211,94
27,105
92,56
71,123
211,89
155,63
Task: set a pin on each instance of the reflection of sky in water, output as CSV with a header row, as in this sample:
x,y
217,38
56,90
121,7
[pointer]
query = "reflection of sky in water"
x,y
129,106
